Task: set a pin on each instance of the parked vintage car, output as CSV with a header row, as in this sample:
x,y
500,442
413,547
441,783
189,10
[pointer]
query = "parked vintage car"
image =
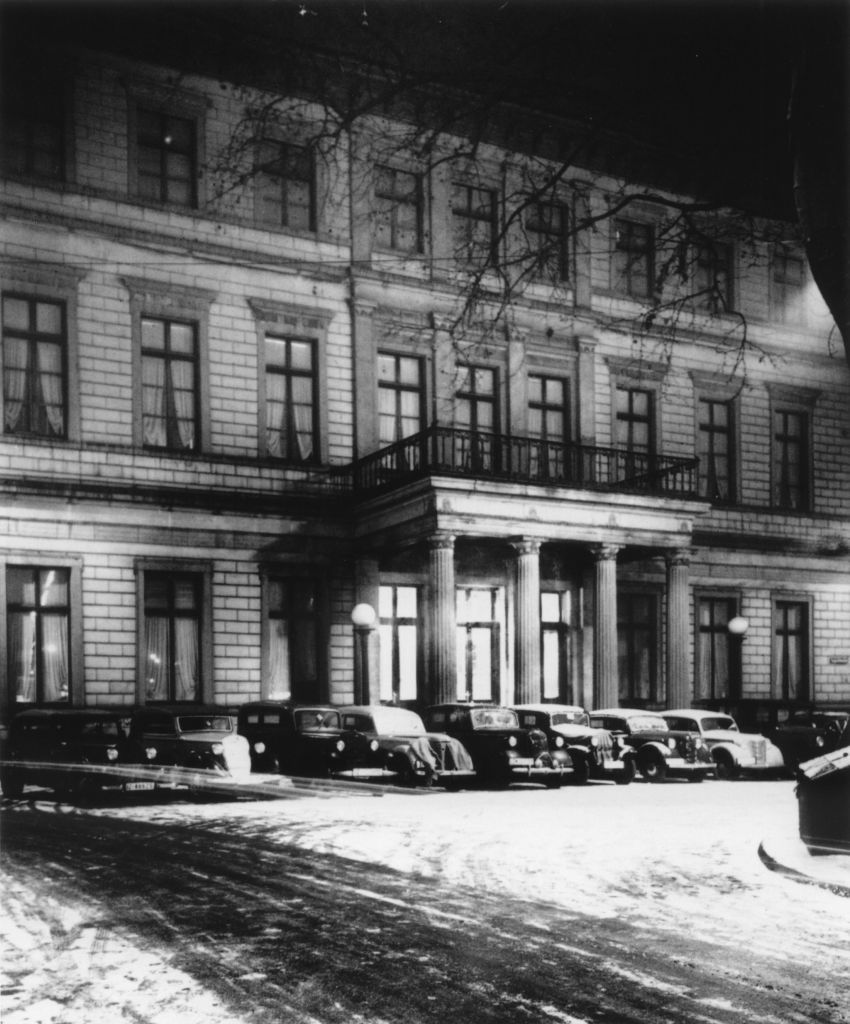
x,y
184,742
810,733
299,739
659,750
403,748
732,751
74,751
501,750
594,753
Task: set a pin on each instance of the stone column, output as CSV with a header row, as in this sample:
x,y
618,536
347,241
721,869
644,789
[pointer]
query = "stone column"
x,y
527,682
606,680
442,661
679,688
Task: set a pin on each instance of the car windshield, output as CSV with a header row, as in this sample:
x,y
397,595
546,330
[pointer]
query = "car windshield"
x,y
204,723
316,719
570,718
647,723
493,718
720,722
107,729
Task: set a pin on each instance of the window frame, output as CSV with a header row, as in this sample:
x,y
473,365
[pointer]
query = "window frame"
x,y
800,600
289,374
203,570
733,650
393,198
306,691
398,388
18,75
465,253
801,402
657,685
285,144
41,282
391,624
793,313
537,230
705,277
621,278
155,301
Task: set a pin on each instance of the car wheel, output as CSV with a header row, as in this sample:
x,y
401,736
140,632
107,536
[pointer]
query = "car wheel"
x,y
554,781
724,765
628,772
12,785
581,769
653,767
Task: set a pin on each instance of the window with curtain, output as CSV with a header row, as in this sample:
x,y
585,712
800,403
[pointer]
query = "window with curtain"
x,y
476,416
172,635
716,668
548,424
634,436
712,277
474,228
791,666
166,155
34,366
401,397
479,624
38,634
555,646
398,613
632,272
291,428
791,484
169,384
546,232
715,449
637,617
788,278
398,210
292,656
284,183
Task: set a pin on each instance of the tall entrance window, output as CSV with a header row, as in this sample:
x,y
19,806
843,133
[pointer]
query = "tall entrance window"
x,y
172,634
37,626
557,684
476,415
478,642
34,366
292,638
401,399
398,610
548,423
715,450
170,384
634,431
291,427
791,665
637,617
790,459
717,670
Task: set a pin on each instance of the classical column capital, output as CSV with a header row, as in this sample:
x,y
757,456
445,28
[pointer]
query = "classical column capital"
x,y
605,552
678,557
525,545
442,540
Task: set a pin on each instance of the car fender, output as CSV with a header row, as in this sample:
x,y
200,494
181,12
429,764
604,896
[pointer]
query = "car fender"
x,y
729,747
662,748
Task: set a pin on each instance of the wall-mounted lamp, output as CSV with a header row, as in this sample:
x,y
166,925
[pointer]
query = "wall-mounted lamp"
x,y
738,626
363,617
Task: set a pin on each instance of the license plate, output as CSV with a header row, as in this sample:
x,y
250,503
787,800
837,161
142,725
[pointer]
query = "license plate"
x,y
135,787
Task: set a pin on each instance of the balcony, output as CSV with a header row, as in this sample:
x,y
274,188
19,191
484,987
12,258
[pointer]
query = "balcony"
x,y
450,451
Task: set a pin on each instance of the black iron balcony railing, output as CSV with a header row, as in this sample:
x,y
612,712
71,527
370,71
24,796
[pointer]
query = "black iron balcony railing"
x,y
450,451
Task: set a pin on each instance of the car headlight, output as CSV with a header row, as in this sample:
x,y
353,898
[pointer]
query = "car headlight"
x,y
511,741
259,748
594,742
699,743
112,754
559,741
217,749
671,743
150,753
340,745
373,746
819,740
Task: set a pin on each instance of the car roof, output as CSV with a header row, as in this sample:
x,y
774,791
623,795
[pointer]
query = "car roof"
x,y
38,713
623,712
549,708
695,713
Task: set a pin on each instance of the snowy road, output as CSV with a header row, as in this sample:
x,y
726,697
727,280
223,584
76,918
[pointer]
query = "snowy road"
x,y
596,904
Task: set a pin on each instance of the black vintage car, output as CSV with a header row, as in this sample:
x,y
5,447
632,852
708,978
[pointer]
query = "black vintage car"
x,y
74,751
808,733
403,750
181,744
659,750
594,753
501,750
306,740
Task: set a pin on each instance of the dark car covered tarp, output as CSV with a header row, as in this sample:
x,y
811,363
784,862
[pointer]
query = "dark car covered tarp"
x,y
823,800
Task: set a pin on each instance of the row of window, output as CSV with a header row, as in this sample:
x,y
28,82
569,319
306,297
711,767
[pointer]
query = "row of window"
x,y
35,400
164,154
175,624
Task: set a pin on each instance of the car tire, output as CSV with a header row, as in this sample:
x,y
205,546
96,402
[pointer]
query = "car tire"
x,y
653,767
581,769
627,774
725,766
12,784
553,782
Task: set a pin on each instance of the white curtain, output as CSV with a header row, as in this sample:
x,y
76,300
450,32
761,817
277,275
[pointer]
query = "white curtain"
x,y
16,353
50,380
279,682
186,662
183,392
275,401
157,658
55,656
153,402
21,657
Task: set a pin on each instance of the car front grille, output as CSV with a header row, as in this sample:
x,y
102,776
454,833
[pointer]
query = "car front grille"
x,y
758,749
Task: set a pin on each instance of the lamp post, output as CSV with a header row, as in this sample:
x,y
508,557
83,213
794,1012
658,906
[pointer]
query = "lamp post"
x,y
363,617
738,627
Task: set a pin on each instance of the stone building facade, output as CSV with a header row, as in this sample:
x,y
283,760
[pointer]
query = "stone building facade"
x,y
237,405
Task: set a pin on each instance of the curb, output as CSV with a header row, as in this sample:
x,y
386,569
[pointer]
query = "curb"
x,y
772,864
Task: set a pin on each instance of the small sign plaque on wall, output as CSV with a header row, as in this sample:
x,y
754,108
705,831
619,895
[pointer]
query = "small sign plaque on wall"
x,y
839,659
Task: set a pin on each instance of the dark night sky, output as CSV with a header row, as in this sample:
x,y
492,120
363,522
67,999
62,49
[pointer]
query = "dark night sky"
x,y
708,79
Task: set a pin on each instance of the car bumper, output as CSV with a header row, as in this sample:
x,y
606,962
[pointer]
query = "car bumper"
x,y
679,766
